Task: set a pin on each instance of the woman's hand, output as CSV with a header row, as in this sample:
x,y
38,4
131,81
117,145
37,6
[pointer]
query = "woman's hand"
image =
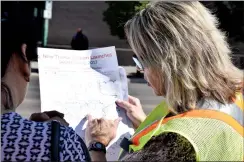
x,y
101,130
133,110
49,116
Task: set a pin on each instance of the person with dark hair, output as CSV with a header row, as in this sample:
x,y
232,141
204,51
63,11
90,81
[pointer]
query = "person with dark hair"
x,y
46,136
80,41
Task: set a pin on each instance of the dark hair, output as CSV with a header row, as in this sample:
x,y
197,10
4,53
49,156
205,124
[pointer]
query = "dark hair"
x,y
13,35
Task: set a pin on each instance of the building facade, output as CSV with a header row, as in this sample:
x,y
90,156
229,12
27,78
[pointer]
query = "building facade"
x,y
67,16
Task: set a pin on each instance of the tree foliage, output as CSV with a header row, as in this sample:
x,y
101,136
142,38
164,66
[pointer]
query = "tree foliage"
x,y
231,17
229,13
118,13
141,6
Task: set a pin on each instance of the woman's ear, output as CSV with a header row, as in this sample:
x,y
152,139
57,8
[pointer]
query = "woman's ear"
x,y
25,67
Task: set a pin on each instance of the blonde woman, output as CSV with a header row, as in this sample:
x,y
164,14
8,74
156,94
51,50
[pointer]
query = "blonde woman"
x,y
185,59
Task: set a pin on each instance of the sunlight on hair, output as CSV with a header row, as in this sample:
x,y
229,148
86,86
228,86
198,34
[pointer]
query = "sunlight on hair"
x,y
182,41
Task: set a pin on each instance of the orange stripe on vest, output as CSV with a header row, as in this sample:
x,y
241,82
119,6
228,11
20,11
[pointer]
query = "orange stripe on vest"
x,y
212,114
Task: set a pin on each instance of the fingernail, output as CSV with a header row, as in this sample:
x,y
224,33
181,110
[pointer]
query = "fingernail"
x,y
118,101
119,119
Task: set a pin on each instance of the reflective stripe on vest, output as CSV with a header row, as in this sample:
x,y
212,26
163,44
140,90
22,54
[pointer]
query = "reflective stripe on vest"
x,y
232,118
158,113
197,114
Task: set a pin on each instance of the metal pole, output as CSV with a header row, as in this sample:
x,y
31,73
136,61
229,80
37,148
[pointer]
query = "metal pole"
x,y
45,34
47,14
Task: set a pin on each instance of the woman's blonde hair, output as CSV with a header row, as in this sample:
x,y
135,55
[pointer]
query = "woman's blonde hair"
x,y
181,41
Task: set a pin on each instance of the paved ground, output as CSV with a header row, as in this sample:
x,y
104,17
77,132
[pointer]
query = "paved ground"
x,y
137,88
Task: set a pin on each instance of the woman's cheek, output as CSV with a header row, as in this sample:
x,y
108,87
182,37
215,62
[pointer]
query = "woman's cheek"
x,y
152,80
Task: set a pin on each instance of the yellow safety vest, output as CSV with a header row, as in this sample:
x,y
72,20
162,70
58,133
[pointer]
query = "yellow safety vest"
x,y
215,134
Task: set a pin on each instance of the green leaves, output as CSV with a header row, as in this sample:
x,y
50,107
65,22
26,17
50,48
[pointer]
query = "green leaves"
x,y
118,13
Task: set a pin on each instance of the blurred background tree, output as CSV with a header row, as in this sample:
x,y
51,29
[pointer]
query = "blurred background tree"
x,y
141,6
231,17
229,13
118,13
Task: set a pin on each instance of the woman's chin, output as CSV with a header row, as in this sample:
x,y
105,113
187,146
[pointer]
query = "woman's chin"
x,y
156,93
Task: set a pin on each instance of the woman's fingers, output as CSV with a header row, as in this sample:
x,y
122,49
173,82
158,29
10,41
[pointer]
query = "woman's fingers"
x,y
128,105
134,100
61,120
39,117
101,130
116,122
132,97
54,113
91,122
46,116
124,104
103,121
89,117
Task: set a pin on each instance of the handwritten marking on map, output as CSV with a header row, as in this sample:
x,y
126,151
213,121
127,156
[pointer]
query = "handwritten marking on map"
x,y
78,83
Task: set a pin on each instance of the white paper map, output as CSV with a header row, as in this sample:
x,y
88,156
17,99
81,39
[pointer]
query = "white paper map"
x,y
78,83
